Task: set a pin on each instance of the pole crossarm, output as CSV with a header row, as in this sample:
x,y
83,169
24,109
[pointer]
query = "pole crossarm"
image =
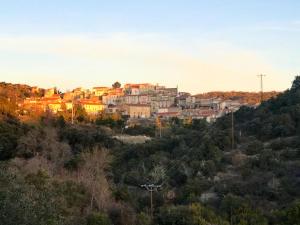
x,y
151,188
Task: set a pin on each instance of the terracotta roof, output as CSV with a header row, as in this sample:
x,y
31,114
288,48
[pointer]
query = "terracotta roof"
x,y
100,87
51,98
166,113
140,105
91,103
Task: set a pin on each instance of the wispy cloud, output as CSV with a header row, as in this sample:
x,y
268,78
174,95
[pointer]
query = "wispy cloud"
x,y
296,22
290,26
149,58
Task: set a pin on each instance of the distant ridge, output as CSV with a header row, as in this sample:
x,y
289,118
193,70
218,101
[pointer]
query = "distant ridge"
x,y
251,98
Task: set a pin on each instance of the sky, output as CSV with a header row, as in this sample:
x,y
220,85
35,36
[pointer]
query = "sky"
x,y
199,45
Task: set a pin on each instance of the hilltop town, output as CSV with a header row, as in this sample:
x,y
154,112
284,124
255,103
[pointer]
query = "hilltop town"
x,y
135,101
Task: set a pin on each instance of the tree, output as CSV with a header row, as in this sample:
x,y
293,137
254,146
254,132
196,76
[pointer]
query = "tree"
x,y
117,84
239,212
61,121
143,219
10,131
194,214
80,113
289,216
7,106
98,219
24,204
296,83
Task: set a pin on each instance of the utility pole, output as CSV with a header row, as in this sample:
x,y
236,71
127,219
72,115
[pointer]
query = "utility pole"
x,y
232,125
261,87
232,130
160,131
150,188
158,124
231,214
72,109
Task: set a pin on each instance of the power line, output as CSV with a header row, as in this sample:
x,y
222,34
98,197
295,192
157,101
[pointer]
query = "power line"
x,y
72,117
232,130
261,87
159,125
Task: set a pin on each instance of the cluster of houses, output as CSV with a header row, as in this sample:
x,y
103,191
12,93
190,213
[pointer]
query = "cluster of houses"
x,y
133,100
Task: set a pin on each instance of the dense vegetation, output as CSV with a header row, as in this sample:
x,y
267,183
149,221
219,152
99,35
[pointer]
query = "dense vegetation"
x,y
52,172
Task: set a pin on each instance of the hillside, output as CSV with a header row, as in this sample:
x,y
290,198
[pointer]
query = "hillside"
x,y
252,184
11,94
19,91
53,172
251,98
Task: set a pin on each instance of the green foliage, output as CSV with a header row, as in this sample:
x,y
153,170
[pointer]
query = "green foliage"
x,y
75,196
140,130
194,214
290,215
143,219
238,211
21,203
39,180
118,123
10,131
98,219
80,114
277,117
121,194
248,216
116,84
296,83
254,147
74,163
81,137
61,122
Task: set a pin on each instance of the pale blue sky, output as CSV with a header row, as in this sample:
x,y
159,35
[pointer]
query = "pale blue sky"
x,y
199,45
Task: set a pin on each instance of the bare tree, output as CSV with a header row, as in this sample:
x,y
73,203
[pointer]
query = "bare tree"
x,y
92,176
45,151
